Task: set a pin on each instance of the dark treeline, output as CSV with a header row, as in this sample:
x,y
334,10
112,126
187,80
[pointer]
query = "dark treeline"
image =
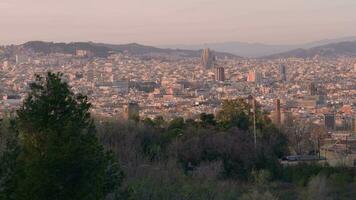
x,y
53,149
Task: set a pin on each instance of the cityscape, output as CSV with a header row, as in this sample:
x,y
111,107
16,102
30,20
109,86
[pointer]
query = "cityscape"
x,y
319,90
181,119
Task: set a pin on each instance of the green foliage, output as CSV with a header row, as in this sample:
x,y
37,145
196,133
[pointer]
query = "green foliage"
x,y
257,195
302,173
196,142
207,120
261,177
235,113
341,178
149,122
161,182
177,123
8,165
58,155
317,188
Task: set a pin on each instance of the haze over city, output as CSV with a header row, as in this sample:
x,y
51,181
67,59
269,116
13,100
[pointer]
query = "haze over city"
x,y
164,22
177,99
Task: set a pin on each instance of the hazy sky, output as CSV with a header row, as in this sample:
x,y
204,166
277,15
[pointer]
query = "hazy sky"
x,y
160,22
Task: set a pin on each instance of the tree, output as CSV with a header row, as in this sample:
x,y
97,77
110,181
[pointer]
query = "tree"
x,y
60,156
8,162
299,133
235,113
176,123
207,120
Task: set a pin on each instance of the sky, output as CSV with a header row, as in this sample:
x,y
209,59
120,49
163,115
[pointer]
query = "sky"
x,y
164,22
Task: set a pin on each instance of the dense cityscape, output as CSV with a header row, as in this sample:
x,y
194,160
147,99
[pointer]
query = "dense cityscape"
x,y
177,100
319,90
170,87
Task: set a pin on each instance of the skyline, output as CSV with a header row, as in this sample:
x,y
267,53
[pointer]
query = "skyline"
x,y
171,22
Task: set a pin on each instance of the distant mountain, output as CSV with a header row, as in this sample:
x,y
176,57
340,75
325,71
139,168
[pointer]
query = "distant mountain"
x,y
239,48
142,50
257,49
103,50
70,48
329,50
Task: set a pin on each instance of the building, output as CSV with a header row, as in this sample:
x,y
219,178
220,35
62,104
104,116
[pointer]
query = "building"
x,y
282,73
83,53
20,59
254,76
220,74
329,121
353,125
132,111
258,77
313,89
207,58
251,76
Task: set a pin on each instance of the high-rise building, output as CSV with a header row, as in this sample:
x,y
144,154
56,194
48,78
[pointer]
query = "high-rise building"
x,y
313,89
282,73
251,77
220,74
132,111
258,77
207,58
329,120
254,76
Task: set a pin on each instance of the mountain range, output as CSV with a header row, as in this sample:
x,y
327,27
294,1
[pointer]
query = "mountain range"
x,y
255,50
103,50
326,48
330,50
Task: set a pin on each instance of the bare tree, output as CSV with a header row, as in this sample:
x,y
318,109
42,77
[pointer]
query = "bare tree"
x,y
302,136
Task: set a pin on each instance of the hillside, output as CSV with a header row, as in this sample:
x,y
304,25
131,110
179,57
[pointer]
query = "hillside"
x,y
103,50
329,50
143,50
258,49
70,48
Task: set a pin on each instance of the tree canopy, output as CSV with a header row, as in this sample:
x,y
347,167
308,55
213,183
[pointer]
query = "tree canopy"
x,y
58,155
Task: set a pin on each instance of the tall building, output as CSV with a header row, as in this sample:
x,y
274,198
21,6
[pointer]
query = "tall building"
x,y
254,76
132,111
251,77
258,77
282,73
313,89
329,120
220,74
207,58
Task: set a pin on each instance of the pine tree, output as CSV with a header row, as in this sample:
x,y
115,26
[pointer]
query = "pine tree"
x,y
60,156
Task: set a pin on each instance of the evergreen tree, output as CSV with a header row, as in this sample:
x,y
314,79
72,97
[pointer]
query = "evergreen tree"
x,y
60,156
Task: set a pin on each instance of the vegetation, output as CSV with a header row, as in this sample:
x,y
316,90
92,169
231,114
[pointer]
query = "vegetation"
x,y
53,149
54,152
